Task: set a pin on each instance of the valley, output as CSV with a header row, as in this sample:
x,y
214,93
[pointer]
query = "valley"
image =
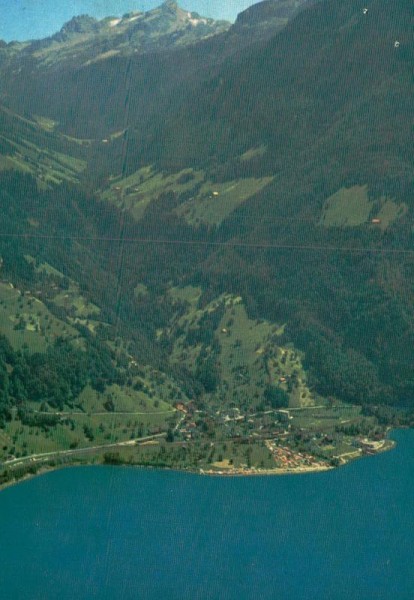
x,y
206,249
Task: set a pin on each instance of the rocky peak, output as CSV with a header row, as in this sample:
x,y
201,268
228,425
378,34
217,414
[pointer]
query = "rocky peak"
x,y
84,39
169,5
80,24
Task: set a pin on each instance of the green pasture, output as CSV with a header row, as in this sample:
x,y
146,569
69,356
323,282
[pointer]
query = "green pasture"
x,y
189,293
138,190
209,203
286,372
196,455
124,400
45,123
243,344
46,165
389,212
216,201
325,418
351,207
253,153
25,320
75,303
77,429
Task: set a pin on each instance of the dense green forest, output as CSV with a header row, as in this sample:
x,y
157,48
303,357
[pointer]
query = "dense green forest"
x,y
55,377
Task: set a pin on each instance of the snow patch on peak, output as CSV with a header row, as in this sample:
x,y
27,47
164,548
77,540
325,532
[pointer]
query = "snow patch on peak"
x,y
196,22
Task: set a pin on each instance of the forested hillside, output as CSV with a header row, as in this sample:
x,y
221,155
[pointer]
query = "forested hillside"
x,y
234,213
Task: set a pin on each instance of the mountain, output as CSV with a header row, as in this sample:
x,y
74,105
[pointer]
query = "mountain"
x,y
87,49
84,40
233,227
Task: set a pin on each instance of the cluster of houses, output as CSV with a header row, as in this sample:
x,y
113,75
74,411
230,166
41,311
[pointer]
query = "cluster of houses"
x,y
288,459
188,430
368,446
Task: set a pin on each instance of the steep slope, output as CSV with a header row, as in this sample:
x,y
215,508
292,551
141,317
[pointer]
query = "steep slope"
x,y
31,146
267,17
322,107
334,69
286,167
98,68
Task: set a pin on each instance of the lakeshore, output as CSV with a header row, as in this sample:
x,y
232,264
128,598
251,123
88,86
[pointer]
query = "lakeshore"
x,y
123,532
34,466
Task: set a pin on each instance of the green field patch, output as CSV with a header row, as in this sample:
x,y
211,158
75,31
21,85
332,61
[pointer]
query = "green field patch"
x,y
25,320
189,293
47,166
351,207
45,268
140,290
88,323
26,440
214,457
127,399
90,401
78,141
214,202
116,427
389,212
103,56
69,298
117,134
119,399
138,190
70,163
253,153
75,303
240,337
211,203
325,418
348,207
250,364
287,373
45,123
237,347
14,162
74,431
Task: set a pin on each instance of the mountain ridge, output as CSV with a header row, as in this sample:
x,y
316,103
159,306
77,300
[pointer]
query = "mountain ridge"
x,y
85,38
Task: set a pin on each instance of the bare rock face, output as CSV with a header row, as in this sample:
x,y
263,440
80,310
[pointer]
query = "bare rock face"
x,y
80,24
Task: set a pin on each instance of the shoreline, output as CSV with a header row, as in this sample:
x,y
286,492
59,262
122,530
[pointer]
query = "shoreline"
x,y
387,445
254,472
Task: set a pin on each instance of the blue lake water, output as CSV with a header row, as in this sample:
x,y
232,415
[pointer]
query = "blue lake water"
x,y
119,533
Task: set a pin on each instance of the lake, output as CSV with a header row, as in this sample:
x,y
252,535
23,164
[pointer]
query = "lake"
x,y
124,533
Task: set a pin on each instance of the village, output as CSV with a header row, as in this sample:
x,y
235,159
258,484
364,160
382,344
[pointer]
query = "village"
x,y
295,440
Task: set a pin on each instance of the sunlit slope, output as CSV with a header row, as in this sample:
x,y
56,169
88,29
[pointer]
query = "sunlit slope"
x,y
241,362
195,198
30,146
